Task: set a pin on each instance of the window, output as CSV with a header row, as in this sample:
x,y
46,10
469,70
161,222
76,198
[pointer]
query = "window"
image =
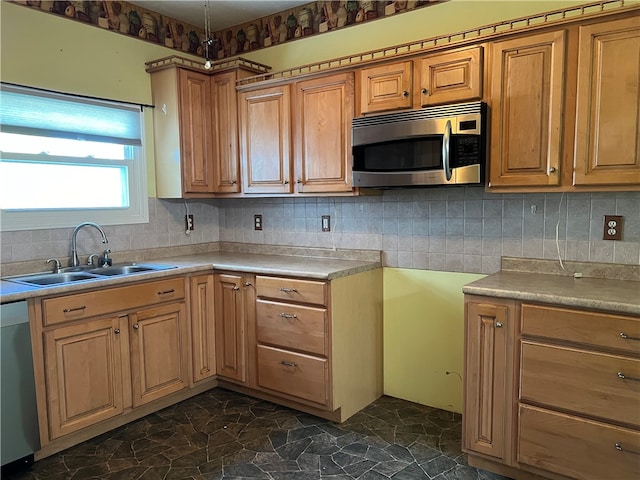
x,y
66,159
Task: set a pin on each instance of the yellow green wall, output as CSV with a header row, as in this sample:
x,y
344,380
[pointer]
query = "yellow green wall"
x,y
423,336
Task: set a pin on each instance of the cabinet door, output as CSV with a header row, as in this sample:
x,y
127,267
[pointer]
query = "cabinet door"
x,y
386,87
265,140
607,144
83,374
451,77
527,85
196,132
230,327
322,134
203,341
489,397
159,348
226,165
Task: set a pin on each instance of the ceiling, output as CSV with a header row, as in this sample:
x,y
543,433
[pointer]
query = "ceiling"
x,y
223,13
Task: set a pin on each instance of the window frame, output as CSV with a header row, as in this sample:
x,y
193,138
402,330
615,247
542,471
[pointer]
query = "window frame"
x,y
138,210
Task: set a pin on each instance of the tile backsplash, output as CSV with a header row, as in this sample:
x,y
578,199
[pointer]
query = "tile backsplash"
x,y
458,229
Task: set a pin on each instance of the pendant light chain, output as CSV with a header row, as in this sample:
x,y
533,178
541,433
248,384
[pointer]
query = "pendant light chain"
x,y
207,33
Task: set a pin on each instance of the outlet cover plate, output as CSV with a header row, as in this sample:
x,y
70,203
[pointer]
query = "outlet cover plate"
x,y
612,227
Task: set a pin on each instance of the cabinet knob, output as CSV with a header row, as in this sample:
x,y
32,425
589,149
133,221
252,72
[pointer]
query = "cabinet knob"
x,y
498,324
552,169
116,331
286,182
405,94
236,288
288,364
136,326
233,182
299,180
247,284
425,91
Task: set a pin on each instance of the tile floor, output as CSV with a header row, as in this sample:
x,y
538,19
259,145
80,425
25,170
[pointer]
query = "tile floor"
x,y
222,435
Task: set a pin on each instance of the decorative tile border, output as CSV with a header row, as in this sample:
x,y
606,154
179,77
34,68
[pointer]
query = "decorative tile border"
x,y
310,19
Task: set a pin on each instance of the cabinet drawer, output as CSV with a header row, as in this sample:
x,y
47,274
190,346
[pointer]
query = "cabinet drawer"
x,y
581,381
293,374
576,447
590,328
100,302
292,326
292,290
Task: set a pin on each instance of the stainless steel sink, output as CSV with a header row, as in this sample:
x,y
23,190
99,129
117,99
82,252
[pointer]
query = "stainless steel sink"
x,y
121,270
44,279
84,273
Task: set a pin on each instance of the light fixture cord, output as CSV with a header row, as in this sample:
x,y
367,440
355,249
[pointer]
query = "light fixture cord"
x,y
207,29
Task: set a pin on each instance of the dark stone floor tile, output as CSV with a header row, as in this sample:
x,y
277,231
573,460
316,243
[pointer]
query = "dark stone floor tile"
x,y
309,462
244,471
292,450
378,455
181,473
357,469
438,465
423,454
196,459
329,467
154,473
411,472
222,451
98,471
261,444
304,432
333,429
295,475
323,444
391,468
74,462
132,473
119,464
460,472
278,438
373,475
220,438
400,453
344,459
155,461
359,449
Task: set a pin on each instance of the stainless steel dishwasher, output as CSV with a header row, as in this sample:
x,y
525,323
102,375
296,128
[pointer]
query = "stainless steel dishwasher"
x,y
19,428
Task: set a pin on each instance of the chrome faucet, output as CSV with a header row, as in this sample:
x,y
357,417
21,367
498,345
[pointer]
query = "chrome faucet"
x,y
74,239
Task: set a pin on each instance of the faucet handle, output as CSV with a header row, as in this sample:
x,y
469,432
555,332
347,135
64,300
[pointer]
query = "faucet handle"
x,y
57,267
106,261
90,259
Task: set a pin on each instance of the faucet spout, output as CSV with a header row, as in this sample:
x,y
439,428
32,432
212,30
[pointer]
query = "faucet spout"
x,y
74,240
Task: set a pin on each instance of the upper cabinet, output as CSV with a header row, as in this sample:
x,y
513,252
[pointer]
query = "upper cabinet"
x,y
564,109
195,130
607,133
448,77
296,138
527,86
265,140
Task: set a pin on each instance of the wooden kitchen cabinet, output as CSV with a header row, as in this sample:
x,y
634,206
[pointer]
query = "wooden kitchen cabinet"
x,y
489,387
552,392
159,352
233,303
265,140
316,345
607,133
451,77
203,340
195,129
448,77
385,87
527,109
103,357
84,374
323,111
296,138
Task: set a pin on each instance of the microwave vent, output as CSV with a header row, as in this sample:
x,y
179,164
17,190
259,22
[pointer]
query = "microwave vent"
x,y
441,111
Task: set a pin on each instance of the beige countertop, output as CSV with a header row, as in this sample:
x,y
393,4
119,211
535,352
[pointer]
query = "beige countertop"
x,y
263,264
608,294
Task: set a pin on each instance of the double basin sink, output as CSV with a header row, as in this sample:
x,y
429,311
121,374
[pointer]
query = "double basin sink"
x,y
84,273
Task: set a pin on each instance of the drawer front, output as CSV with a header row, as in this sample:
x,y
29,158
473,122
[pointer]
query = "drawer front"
x,y
582,381
576,447
292,290
293,374
100,302
292,326
590,328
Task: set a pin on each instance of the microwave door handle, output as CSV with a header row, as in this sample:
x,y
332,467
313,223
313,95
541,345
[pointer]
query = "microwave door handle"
x,y
446,140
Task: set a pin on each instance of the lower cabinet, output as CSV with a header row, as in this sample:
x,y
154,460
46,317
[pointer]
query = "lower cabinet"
x,y
105,357
84,374
233,302
203,339
159,352
316,345
551,392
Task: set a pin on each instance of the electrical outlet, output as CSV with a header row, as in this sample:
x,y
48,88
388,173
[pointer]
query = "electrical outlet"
x,y
326,223
257,222
612,227
188,222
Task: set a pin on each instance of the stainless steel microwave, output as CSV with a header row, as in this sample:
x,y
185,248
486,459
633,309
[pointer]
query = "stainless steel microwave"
x,y
442,145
